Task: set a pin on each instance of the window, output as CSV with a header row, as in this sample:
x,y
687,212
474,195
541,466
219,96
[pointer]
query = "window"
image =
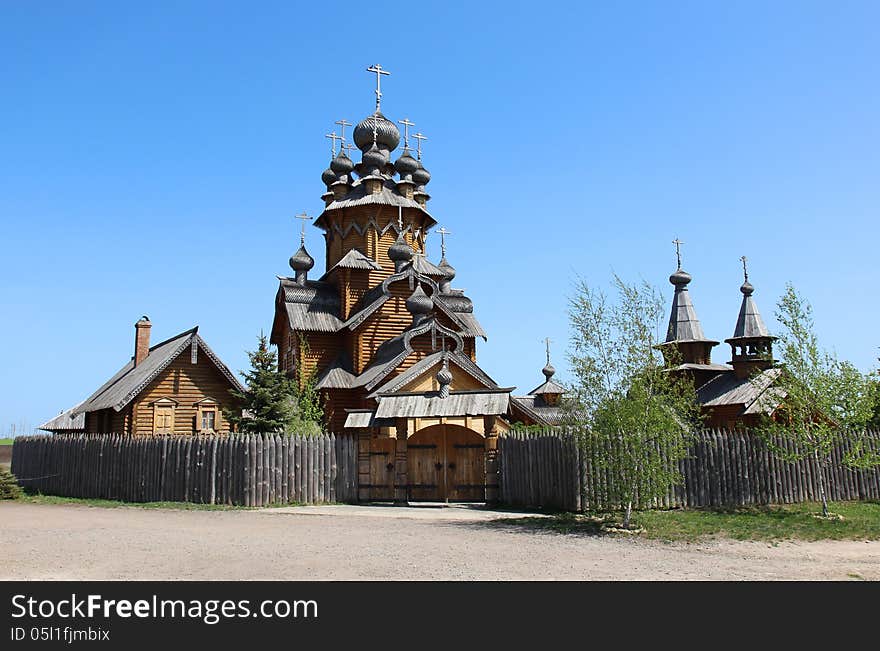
x,y
207,416
163,416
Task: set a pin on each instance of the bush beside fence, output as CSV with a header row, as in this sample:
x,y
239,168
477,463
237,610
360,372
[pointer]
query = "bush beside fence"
x,y
549,469
242,470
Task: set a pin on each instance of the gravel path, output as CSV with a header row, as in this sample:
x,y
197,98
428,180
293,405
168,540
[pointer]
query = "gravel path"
x,y
374,542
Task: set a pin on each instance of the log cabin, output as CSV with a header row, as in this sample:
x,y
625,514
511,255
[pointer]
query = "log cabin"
x,y
178,386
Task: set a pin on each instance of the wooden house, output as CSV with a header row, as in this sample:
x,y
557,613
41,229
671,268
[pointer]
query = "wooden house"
x,y
178,386
391,344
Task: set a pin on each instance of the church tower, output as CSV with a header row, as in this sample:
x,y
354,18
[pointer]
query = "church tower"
x,y
388,341
751,345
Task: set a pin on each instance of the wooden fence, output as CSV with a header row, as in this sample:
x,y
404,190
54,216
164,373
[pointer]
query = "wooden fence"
x,y
549,469
244,470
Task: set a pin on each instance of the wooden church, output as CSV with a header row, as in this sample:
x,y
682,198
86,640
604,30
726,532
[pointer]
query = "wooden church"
x,y
391,344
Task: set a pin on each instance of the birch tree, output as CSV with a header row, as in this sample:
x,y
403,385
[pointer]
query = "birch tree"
x,y
825,402
635,417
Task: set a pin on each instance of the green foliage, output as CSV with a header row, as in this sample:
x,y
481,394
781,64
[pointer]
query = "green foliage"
x,y
825,402
269,397
308,410
9,488
624,395
874,421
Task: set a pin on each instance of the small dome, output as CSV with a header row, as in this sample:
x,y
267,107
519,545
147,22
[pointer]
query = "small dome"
x,y
374,158
400,251
680,278
747,289
447,269
301,260
406,164
329,177
421,176
342,164
387,134
444,376
548,370
419,303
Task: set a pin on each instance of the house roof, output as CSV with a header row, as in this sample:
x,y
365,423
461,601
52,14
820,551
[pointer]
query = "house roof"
x,y
483,402
461,361
66,421
354,259
534,407
756,394
313,307
130,380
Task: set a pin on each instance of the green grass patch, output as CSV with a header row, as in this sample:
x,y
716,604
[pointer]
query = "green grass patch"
x,y
5,441
857,521
114,504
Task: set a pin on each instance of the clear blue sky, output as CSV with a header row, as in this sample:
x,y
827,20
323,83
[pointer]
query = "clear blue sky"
x,y
152,156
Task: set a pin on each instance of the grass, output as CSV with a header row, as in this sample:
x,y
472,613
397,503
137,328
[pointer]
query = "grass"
x,y
114,504
860,521
5,441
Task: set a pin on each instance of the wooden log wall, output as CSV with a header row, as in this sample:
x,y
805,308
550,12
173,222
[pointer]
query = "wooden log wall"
x,y
241,470
549,469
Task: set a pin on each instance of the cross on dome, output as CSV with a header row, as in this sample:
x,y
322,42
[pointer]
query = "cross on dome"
x,y
333,138
304,216
379,70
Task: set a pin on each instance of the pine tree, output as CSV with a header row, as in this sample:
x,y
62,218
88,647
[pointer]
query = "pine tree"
x,y
268,401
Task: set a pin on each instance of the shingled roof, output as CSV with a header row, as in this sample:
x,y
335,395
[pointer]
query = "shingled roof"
x,y
756,394
67,421
131,380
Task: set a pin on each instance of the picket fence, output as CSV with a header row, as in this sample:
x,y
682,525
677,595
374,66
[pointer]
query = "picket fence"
x,y
242,470
550,469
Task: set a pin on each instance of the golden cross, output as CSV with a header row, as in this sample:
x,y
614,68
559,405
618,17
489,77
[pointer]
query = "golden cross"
x,y
418,136
745,268
678,244
379,72
342,124
305,217
333,138
406,125
443,233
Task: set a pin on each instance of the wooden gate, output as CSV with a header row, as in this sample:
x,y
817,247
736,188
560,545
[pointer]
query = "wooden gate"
x,y
446,462
382,468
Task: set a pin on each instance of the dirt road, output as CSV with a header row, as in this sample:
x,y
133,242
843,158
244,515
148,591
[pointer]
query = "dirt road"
x,y
374,542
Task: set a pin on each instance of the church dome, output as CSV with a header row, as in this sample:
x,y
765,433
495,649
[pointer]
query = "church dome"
x,y
342,164
444,376
680,278
374,158
400,251
747,288
329,177
421,176
301,260
419,303
387,134
447,269
406,164
548,371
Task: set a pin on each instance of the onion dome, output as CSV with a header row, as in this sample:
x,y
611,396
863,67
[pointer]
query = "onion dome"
x,y
342,164
747,289
444,379
421,176
301,260
448,269
387,133
406,165
329,177
419,303
548,371
400,252
374,160
680,278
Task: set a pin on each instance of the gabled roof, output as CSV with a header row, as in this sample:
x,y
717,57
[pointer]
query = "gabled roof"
x,y
354,259
548,387
313,307
424,266
66,421
336,376
534,409
755,394
412,373
131,380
